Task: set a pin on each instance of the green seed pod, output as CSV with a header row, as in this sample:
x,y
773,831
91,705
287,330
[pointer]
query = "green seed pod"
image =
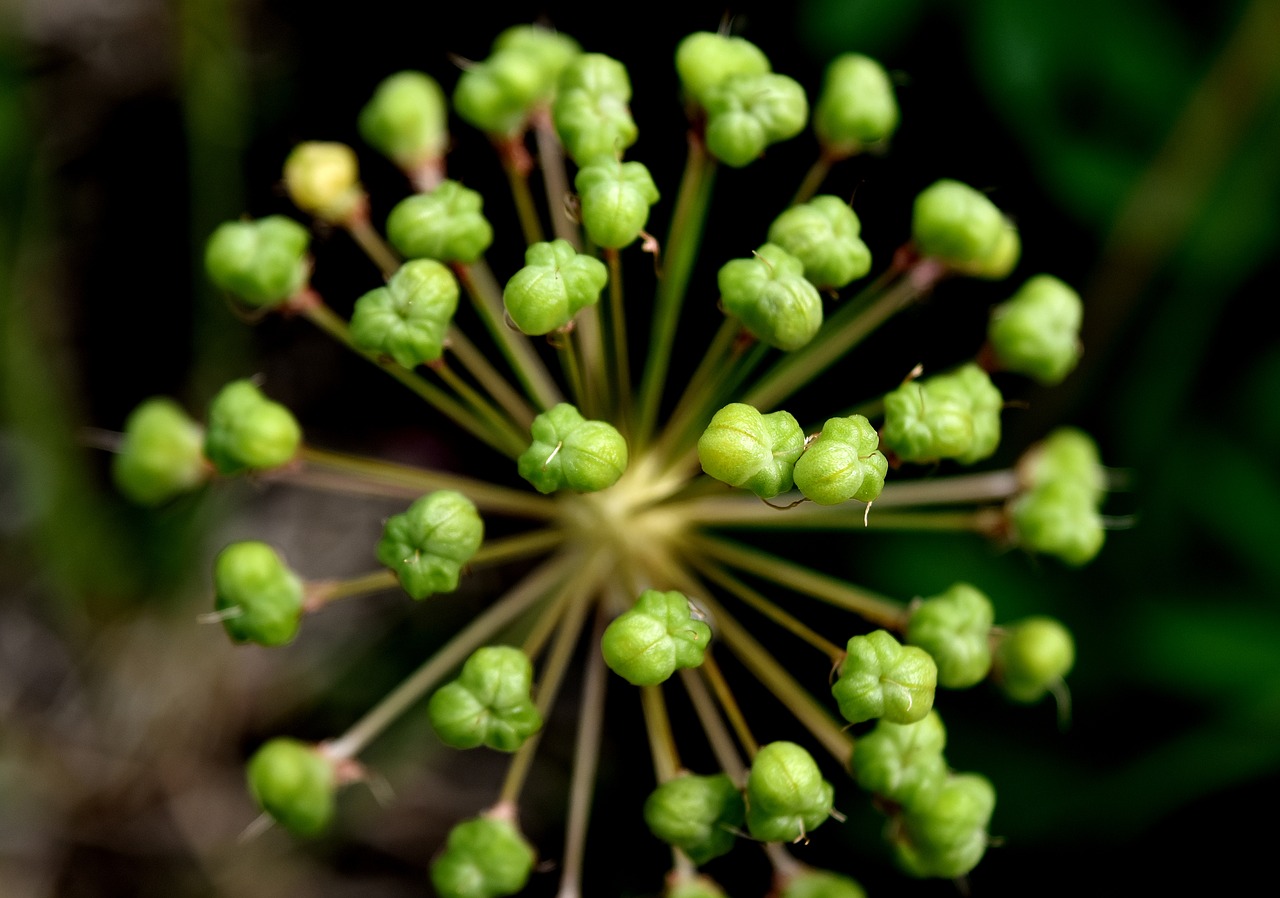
x,y
770,296
1032,656
747,113
570,452
293,783
490,702
694,887
1067,454
483,858
409,317
428,544
953,415
591,111
946,837
821,884
856,108
555,283
552,50
705,59
902,763
407,120
1037,332
956,224
1002,258
823,234
656,637
744,448
260,592
985,404
615,198
249,431
323,179
881,678
262,263
787,798
1058,518
445,224
161,453
698,814
955,628
844,463
498,94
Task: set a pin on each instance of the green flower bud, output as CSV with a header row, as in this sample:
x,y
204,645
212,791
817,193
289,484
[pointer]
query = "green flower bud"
x,y
409,317
248,430
742,447
262,263
552,50
1037,332
957,224
770,296
823,234
955,628
570,452
1033,656
843,463
695,887
856,107
615,198
445,224
902,763
294,783
428,544
1000,260
323,179
747,113
591,110
1069,455
787,798
1058,518
822,884
972,385
407,119
497,94
161,453
555,283
705,59
881,678
259,594
656,637
490,702
698,814
483,858
947,836
954,415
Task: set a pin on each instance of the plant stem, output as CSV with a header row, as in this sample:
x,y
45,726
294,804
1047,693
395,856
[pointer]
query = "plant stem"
x,y
319,593
369,240
567,351
489,378
714,362
813,178
526,209
717,733
481,405
618,331
662,741
724,695
554,178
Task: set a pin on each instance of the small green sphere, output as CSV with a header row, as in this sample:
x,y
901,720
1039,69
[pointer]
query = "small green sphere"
x,y
490,702
446,224
787,798
768,293
483,858
955,628
845,463
656,637
881,678
1037,332
248,431
902,762
161,453
294,783
263,595
407,119
956,224
615,198
742,447
857,107
556,282
428,544
706,59
698,814
1058,518
947,836
1033,656
591,111
823,234
747,113
822,884
262,263
409,318
570,452
323,178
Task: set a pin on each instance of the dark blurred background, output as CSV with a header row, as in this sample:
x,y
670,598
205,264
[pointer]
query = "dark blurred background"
x,y
1137,144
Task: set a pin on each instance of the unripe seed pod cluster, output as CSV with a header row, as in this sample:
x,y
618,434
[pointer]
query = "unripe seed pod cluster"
x,y
1058,513
657,636
427,545
951,415
247,431
490,702
409,317
446,224
570,452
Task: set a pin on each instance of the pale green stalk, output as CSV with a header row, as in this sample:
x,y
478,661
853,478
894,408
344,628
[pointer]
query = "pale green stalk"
x,y
489,378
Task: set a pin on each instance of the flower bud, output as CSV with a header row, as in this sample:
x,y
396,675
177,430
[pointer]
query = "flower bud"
x,y
1058,518
591,111
570,452
490,702
1037,332
787,798
821,884
323,179
498,94
744,448
656,637
843,463
294,783
483,858
1000,260
259,595
555,283
956,224
902,762
161,453
248,430
953,415
823,235
946,837
698,814
428,544
409,317
747,113
615,198
1032,656
551,50
881,678
705,59
856,108
770,296
407,119
262,263
445,224
1067,454
955,628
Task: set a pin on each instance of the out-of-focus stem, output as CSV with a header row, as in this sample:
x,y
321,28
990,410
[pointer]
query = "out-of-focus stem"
x,y
662,741
489,378
369,240
554,178
724,695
